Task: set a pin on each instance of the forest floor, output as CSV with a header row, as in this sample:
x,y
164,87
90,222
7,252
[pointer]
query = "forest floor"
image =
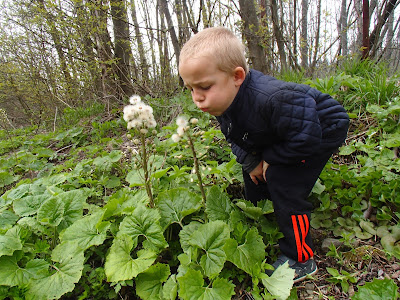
x,y
364,262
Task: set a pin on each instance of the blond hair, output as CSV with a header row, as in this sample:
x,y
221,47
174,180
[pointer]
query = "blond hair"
x,y
219,43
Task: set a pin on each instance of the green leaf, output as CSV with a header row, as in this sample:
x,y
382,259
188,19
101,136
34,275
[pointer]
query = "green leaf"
x,y
192,288
53,180
185,235
73,206
248,256
347,150
7,220
392,142
6,178
318,188
51,212
385,289
124,202
394,109
115,155
19,192
372,108
112,182
5,201
135,178
160,173
170,288
267,206
85,232
211,238
12,274
120,265
32,224
149,284
53,286
144,222
176,204
29,205
43,152
353,115
10,241
218,205
249,209
104,163
280,282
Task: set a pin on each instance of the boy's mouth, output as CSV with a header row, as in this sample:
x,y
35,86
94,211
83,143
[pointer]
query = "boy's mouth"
x,y
204,109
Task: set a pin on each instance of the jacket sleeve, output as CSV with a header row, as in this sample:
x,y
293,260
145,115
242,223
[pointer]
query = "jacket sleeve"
x,y
248,160
238,152
295,122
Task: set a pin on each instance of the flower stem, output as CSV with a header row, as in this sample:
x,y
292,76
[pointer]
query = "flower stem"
x,y
146,170
197,170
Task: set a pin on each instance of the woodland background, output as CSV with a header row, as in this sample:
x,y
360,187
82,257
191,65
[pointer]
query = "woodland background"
x,y
58,54
76,219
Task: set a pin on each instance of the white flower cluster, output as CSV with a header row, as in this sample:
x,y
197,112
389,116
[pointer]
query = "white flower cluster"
x,y
182,128
139,115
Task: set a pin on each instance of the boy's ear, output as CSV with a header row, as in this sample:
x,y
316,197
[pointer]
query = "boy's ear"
x,y
239,75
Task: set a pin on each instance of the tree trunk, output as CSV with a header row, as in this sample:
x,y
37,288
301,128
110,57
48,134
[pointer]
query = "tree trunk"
x,y
365,43
122,48
189,18
358,10
144,67
251,32
182,26
56,37
86,31
389,38
396,49
304,34
104,52
294,29
152,39
165,67
317,35
343,28
171,29
204,15
374,37
278,34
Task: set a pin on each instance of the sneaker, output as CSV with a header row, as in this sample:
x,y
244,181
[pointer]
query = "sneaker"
x,y
301,269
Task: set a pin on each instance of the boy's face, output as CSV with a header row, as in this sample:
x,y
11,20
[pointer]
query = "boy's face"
x,y
212,90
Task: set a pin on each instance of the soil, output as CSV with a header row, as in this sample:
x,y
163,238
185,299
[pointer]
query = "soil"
x,y
365,260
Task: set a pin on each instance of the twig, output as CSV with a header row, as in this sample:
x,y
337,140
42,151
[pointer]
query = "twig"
x,y
66,147
146,171
55,119
196,167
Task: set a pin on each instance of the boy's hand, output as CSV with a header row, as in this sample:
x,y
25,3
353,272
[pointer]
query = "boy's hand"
x,y
258,174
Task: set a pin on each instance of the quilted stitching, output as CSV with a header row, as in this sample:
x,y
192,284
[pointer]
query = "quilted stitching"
x,y
303,119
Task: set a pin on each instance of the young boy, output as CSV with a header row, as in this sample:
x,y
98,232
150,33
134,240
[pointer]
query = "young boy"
x,y
282,133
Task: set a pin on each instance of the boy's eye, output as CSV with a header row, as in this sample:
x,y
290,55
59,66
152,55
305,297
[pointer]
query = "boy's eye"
x,y
206,88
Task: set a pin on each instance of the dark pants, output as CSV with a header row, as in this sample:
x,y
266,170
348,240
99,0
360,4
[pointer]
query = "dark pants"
x,y
288,186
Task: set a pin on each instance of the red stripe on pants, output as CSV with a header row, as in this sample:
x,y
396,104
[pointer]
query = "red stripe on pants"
x,y
300,236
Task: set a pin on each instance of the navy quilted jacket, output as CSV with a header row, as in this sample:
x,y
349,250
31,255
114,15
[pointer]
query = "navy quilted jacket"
x,y
282,122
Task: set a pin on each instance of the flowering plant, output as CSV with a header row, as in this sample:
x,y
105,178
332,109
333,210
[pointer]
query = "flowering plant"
x,y
183,131
139,117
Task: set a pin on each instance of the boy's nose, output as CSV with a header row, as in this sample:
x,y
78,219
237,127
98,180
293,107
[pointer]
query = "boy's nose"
x,y
197,97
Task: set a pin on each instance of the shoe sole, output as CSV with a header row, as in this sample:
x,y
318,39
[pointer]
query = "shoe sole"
x,y
305,276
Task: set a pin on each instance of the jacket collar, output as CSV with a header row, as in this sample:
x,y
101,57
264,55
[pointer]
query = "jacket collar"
x,y
238,101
